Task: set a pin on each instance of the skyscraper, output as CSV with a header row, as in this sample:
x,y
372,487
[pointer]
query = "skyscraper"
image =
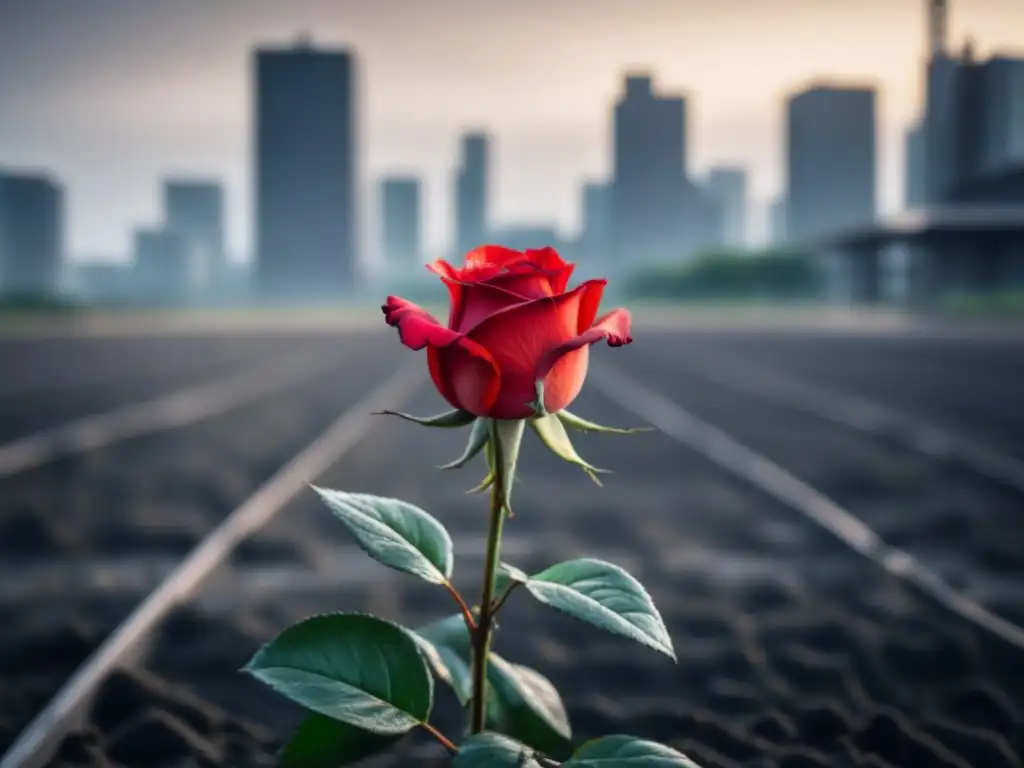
x,y
729,187
471,193
915,179
400,223
194,210
306,172
161,266
595,233
31,233
649,172
830,163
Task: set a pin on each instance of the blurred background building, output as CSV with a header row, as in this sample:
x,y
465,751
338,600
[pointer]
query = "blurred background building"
x,y
652,209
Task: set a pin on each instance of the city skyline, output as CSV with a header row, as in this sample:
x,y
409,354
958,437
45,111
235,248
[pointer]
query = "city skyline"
x,y
525,113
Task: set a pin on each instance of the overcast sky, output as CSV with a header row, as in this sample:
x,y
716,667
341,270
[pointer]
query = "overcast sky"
x,y
113,94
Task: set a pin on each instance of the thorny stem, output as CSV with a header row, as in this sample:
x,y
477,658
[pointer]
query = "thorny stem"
x,y
481,638
466,613
445,741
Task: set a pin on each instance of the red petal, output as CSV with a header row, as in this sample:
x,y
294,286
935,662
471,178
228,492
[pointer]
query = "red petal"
x,y
446,349
450,277
614,327
521,337
492,256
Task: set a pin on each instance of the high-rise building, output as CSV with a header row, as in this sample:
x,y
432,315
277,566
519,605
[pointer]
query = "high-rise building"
x,y
471,193
31,233
728,186
649,173
306,172
830,161
595,234
161,274
915,180
1003,135
194,210
400,223
973,117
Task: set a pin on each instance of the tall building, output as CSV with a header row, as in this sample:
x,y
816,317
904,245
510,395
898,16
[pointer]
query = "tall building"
x,y
306,173
830,163
728,186
915,180
595,234
649,173
161,274
400,223
471,193
1003,134
31,233
194,210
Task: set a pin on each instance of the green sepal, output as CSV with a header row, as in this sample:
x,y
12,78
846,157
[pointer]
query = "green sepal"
x,y
488,481
448,419
478,438
573,421
507,437
538,404
554,436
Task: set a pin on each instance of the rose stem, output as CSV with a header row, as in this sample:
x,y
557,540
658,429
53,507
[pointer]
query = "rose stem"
x,y
482,637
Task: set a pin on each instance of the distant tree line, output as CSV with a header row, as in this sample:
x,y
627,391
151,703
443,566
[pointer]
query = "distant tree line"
x,y
732,274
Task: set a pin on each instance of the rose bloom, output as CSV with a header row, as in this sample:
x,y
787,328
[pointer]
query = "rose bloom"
x,y
511,324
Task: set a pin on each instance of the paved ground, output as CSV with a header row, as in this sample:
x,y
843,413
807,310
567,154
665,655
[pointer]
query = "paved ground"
x,y
786,638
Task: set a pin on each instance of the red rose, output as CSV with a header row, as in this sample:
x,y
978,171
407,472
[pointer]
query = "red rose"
x,y
511,324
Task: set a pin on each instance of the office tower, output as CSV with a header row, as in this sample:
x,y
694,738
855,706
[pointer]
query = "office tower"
x,y
595,230
915,180
400,223
305,175
729,187
194,210
471,193
161,267
649,185
830,142
31,233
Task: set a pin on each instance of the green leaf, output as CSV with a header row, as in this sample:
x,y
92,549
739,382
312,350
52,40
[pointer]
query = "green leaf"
x,y
448,419
478,438
529,707
351,667
554,436
575,422
506,577
320,742
494,750
538,401
398,534
520,701
507,438
606,596
627,752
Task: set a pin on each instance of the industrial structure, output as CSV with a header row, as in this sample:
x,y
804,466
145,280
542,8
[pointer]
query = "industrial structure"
x,y
963,230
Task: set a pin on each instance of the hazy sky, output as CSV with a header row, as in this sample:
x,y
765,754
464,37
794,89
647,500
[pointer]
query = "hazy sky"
x,y
113,94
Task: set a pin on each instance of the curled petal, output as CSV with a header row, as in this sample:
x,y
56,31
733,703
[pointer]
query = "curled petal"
x,y
446,350
613,327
